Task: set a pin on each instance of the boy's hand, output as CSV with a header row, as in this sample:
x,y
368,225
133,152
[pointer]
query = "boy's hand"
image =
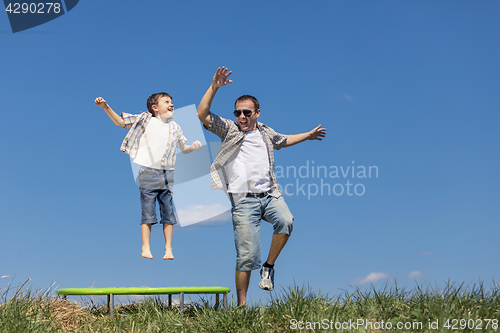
x,y
99,101
220,77
317,133
196,145
185,149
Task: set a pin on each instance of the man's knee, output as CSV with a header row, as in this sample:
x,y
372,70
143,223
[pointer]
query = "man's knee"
x,y
284,225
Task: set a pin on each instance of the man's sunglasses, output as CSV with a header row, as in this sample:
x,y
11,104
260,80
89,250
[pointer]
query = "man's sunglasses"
x,y
247,113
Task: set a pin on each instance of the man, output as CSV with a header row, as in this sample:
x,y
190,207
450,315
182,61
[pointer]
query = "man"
x,y
244,168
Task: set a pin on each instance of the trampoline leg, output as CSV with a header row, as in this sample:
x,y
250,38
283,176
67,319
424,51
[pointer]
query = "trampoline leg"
x,y
170,300
111,303
224,301
216,301
182,301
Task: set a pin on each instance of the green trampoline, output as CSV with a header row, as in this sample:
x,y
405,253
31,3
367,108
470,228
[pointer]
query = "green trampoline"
x,y
110,292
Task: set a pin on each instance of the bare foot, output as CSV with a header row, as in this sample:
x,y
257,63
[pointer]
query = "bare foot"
x,y
168,254
146,253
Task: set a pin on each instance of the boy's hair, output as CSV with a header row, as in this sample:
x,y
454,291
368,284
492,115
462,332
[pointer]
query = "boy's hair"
x,y
248,98
153,100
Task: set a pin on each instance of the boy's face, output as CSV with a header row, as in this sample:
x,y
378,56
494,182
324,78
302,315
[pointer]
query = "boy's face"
x,y
247,123
165,108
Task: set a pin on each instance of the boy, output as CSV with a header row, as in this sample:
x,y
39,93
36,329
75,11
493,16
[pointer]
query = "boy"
x,y
151,142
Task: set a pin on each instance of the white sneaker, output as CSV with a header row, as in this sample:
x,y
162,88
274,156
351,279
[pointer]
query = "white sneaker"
x,y
267,275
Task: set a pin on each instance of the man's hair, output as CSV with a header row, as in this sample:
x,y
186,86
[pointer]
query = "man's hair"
x,y
153,100
248,98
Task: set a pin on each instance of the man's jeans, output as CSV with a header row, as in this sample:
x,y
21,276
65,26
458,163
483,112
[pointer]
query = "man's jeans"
x,y
247,215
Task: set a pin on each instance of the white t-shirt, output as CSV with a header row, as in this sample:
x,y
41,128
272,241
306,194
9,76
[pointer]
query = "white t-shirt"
x,y
248,169
155,141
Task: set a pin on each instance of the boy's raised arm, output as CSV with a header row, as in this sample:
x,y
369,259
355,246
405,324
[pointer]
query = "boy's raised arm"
x,y
99,101
219,80
186,149
315,134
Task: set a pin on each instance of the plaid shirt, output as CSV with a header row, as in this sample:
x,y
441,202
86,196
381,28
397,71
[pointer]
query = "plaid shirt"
x,y
137,124
232,137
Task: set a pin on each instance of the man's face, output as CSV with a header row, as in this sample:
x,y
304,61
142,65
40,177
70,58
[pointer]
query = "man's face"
x,y
247,123
165,108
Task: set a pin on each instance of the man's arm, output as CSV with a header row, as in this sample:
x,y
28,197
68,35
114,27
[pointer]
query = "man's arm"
x,y
186,149
99,101
219,80
316,134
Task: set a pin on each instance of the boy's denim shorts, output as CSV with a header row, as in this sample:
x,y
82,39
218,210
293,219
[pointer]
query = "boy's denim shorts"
x,y
247,215
156,184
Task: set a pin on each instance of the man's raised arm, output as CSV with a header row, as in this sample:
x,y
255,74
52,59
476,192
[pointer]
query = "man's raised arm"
x,y
316,134
219,80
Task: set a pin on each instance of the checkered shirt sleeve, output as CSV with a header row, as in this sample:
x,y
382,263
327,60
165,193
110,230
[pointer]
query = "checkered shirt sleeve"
x,y
137,125
175,140
129,119
179,136
219,126
278,140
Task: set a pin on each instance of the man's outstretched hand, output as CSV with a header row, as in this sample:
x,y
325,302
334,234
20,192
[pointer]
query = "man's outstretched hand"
x,y
220,78
317,133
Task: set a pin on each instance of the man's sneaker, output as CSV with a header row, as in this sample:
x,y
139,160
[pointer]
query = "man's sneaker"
x,y
267,275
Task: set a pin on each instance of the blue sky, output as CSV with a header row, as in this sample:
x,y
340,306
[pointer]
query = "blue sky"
x,y
409,88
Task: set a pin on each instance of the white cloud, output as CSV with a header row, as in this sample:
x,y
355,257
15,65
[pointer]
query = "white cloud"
x,y
348,97
415,275
372,278
345,96
200,213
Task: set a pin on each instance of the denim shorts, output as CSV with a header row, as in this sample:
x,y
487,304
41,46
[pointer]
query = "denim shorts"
x,y
156,184
247,215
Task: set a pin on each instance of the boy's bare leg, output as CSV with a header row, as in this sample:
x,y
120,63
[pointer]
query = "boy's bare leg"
x,y
146,232
242,280
277,245
167,232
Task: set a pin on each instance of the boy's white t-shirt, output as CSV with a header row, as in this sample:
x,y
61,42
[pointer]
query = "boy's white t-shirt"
x,y
247,170
153,144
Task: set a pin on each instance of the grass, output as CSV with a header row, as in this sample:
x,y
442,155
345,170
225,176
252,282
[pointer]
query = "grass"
x,y
464,308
